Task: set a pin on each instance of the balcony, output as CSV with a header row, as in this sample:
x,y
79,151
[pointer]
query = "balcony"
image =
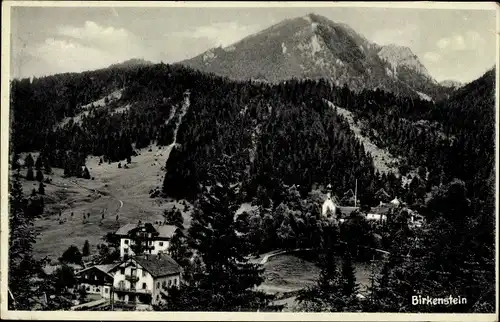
x,y
132,278
131,290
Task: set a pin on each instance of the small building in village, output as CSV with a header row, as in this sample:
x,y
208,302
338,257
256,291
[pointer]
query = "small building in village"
x,y
96,279
155,238
141,280
329,209
138,281
332,210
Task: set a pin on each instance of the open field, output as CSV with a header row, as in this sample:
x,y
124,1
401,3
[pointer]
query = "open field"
x,y
118,192
288,273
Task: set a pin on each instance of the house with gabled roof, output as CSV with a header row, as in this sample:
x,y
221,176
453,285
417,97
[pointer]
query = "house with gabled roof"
x,y
155,237
96,279
141,280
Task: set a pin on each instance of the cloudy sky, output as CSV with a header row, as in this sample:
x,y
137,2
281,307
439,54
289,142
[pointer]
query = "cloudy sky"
x,y
452,44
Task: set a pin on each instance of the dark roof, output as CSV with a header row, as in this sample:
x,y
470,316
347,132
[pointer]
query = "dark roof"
x,y
165,231
346,211
103,268
158,265
123,230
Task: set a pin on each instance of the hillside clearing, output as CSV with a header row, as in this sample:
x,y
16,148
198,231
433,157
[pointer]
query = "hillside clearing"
x,y
116,192
383,161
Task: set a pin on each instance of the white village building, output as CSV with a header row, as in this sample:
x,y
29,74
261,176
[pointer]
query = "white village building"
x,y
156,238
138,281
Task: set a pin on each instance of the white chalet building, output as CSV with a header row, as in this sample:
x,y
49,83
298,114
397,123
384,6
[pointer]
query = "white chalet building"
x,y
155,238
140,280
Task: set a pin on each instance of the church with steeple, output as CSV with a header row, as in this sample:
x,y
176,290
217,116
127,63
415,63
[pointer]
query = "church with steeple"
x,y
329,209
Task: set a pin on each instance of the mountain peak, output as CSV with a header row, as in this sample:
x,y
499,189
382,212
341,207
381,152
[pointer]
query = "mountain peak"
x,y
402,56
451,83
313,46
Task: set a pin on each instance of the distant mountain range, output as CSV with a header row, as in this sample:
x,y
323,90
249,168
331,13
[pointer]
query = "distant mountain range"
x,y
451,83
314,47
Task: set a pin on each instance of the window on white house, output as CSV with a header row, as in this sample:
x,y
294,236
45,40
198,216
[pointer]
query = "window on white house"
x,y
144,286
106,290
126,241
122,271
161,243
143,273
164,284
169,283
158,285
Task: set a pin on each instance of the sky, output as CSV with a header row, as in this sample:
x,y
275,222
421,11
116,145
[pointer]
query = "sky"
x,y
452,44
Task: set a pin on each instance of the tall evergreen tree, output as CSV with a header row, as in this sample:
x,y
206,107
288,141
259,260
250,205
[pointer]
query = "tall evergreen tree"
x,y
38,163
39,175
46,165
41,188
227,280
24,270
350,286
28,161
173,217
86,248
29,174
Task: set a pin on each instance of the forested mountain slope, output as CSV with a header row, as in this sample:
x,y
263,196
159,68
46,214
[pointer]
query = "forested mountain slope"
x,y
284,133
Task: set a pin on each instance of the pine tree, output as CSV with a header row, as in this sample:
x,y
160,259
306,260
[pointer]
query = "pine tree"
x,y
227,280
41,188
23,268
29,174
38,163
60,284
180,252
350,287
47,167
39,175
334,291
173,217
71,255
86,249
28,161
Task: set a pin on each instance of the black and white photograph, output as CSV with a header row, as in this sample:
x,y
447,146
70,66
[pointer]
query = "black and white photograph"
x,y
273,158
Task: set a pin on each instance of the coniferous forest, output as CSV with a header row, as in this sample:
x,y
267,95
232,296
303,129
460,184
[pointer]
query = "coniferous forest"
x,y
272,145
